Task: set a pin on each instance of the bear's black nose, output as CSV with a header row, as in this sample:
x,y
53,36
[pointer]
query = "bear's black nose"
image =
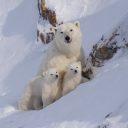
x,y
57,76
76,71
67,38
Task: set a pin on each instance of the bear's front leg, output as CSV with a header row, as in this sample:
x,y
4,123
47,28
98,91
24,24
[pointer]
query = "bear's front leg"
x,y
46,97
67,89
26,102
37,103
67,85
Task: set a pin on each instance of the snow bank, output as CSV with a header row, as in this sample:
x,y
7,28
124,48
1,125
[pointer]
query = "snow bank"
x,y
6,6
102,22
20,57
71,10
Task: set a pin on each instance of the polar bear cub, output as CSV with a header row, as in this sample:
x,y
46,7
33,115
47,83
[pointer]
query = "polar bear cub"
x,y
51,90
72,77
41,91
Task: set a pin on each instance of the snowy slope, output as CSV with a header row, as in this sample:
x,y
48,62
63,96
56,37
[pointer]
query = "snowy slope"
x,y
17,50
67,11
87,105
20,57
102,22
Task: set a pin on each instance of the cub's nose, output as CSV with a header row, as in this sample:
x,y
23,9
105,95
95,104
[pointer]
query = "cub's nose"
x,y
76,71
67,38
57,76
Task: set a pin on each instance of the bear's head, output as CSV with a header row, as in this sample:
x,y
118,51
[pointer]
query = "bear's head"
x,y
68,38
75,69
51,75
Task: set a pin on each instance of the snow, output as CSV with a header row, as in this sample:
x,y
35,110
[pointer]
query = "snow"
x,y
20,56
102,22
114,123
5,5
65,9
7,111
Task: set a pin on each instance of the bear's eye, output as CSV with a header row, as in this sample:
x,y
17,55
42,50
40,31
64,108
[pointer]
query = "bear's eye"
x,y
71,69
76,67
61,32
71,30
51,74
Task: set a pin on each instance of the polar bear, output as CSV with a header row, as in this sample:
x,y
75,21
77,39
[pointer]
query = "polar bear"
x,y
52,90
64,49
41,87
72,78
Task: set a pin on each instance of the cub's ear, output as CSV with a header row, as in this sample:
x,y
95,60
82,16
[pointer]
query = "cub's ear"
x,y
68,66
44,74
77,23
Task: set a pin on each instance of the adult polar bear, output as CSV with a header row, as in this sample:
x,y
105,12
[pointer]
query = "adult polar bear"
x,y
64,49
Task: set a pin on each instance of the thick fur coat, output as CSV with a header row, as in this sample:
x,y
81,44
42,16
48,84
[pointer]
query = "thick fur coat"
x,y
72,78
41,91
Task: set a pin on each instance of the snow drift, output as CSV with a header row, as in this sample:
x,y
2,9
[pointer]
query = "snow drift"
x,y
100,102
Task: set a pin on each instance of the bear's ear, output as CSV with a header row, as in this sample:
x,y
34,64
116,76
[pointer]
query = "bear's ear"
x,y
53,29
79,62
77,23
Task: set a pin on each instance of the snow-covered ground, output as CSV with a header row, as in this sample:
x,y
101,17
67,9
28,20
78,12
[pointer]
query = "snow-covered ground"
x,y
20,56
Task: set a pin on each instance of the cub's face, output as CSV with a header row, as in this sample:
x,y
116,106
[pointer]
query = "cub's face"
x,y
75,68
68,37
52,75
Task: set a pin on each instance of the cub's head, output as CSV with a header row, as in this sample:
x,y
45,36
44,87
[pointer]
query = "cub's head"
x,y
68,38
75,68
51,75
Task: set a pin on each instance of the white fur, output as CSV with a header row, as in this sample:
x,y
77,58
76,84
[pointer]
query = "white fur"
x,y
72,79
41,91
51,91
60,53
